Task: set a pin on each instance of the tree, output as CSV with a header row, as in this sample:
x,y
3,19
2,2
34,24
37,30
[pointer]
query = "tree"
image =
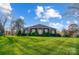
x,y
12,27
73,28
65,33
72,15
3,20
18,25
1,29
5,12
19,33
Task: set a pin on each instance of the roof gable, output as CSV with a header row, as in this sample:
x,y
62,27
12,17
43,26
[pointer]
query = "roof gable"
x,y
40,26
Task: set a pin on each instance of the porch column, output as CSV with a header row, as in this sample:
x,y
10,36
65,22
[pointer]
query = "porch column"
x,y
55,31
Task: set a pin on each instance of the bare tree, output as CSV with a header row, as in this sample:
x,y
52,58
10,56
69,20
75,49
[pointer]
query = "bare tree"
x,y
1,28
18,25
73,28
3,20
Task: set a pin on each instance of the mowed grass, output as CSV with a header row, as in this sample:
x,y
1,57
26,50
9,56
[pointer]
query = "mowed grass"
x,y
31,45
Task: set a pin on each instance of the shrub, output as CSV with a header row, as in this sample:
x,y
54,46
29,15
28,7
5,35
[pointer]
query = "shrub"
x,y
66,35
57,35
33,34
46,34
18,33
23,33
1,33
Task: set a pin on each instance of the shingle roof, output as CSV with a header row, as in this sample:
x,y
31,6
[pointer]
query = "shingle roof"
x,y
40,26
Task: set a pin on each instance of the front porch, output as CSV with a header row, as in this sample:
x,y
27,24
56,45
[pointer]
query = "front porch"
x,y
41,31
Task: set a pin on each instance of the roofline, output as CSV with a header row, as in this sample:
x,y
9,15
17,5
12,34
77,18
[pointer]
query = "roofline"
x,y
40,24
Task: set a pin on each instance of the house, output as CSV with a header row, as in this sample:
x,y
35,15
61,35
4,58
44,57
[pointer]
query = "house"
x,y
40,29
9,32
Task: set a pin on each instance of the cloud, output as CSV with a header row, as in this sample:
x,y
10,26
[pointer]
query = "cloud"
x,y
68,22
39,11
45,13
5,8
51,13
58,26
72,22
76,22
21,17
44,20
9,17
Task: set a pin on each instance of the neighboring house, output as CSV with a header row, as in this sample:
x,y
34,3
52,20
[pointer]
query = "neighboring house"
x,y
9,32
40,29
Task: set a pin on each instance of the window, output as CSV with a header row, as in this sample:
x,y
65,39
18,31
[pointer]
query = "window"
x,y
46,30
40,31
53,31
33,30
26,31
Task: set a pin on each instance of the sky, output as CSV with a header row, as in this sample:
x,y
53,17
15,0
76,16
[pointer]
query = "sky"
x,y
50,14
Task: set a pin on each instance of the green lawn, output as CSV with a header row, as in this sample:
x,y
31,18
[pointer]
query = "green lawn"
x,y
29,45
